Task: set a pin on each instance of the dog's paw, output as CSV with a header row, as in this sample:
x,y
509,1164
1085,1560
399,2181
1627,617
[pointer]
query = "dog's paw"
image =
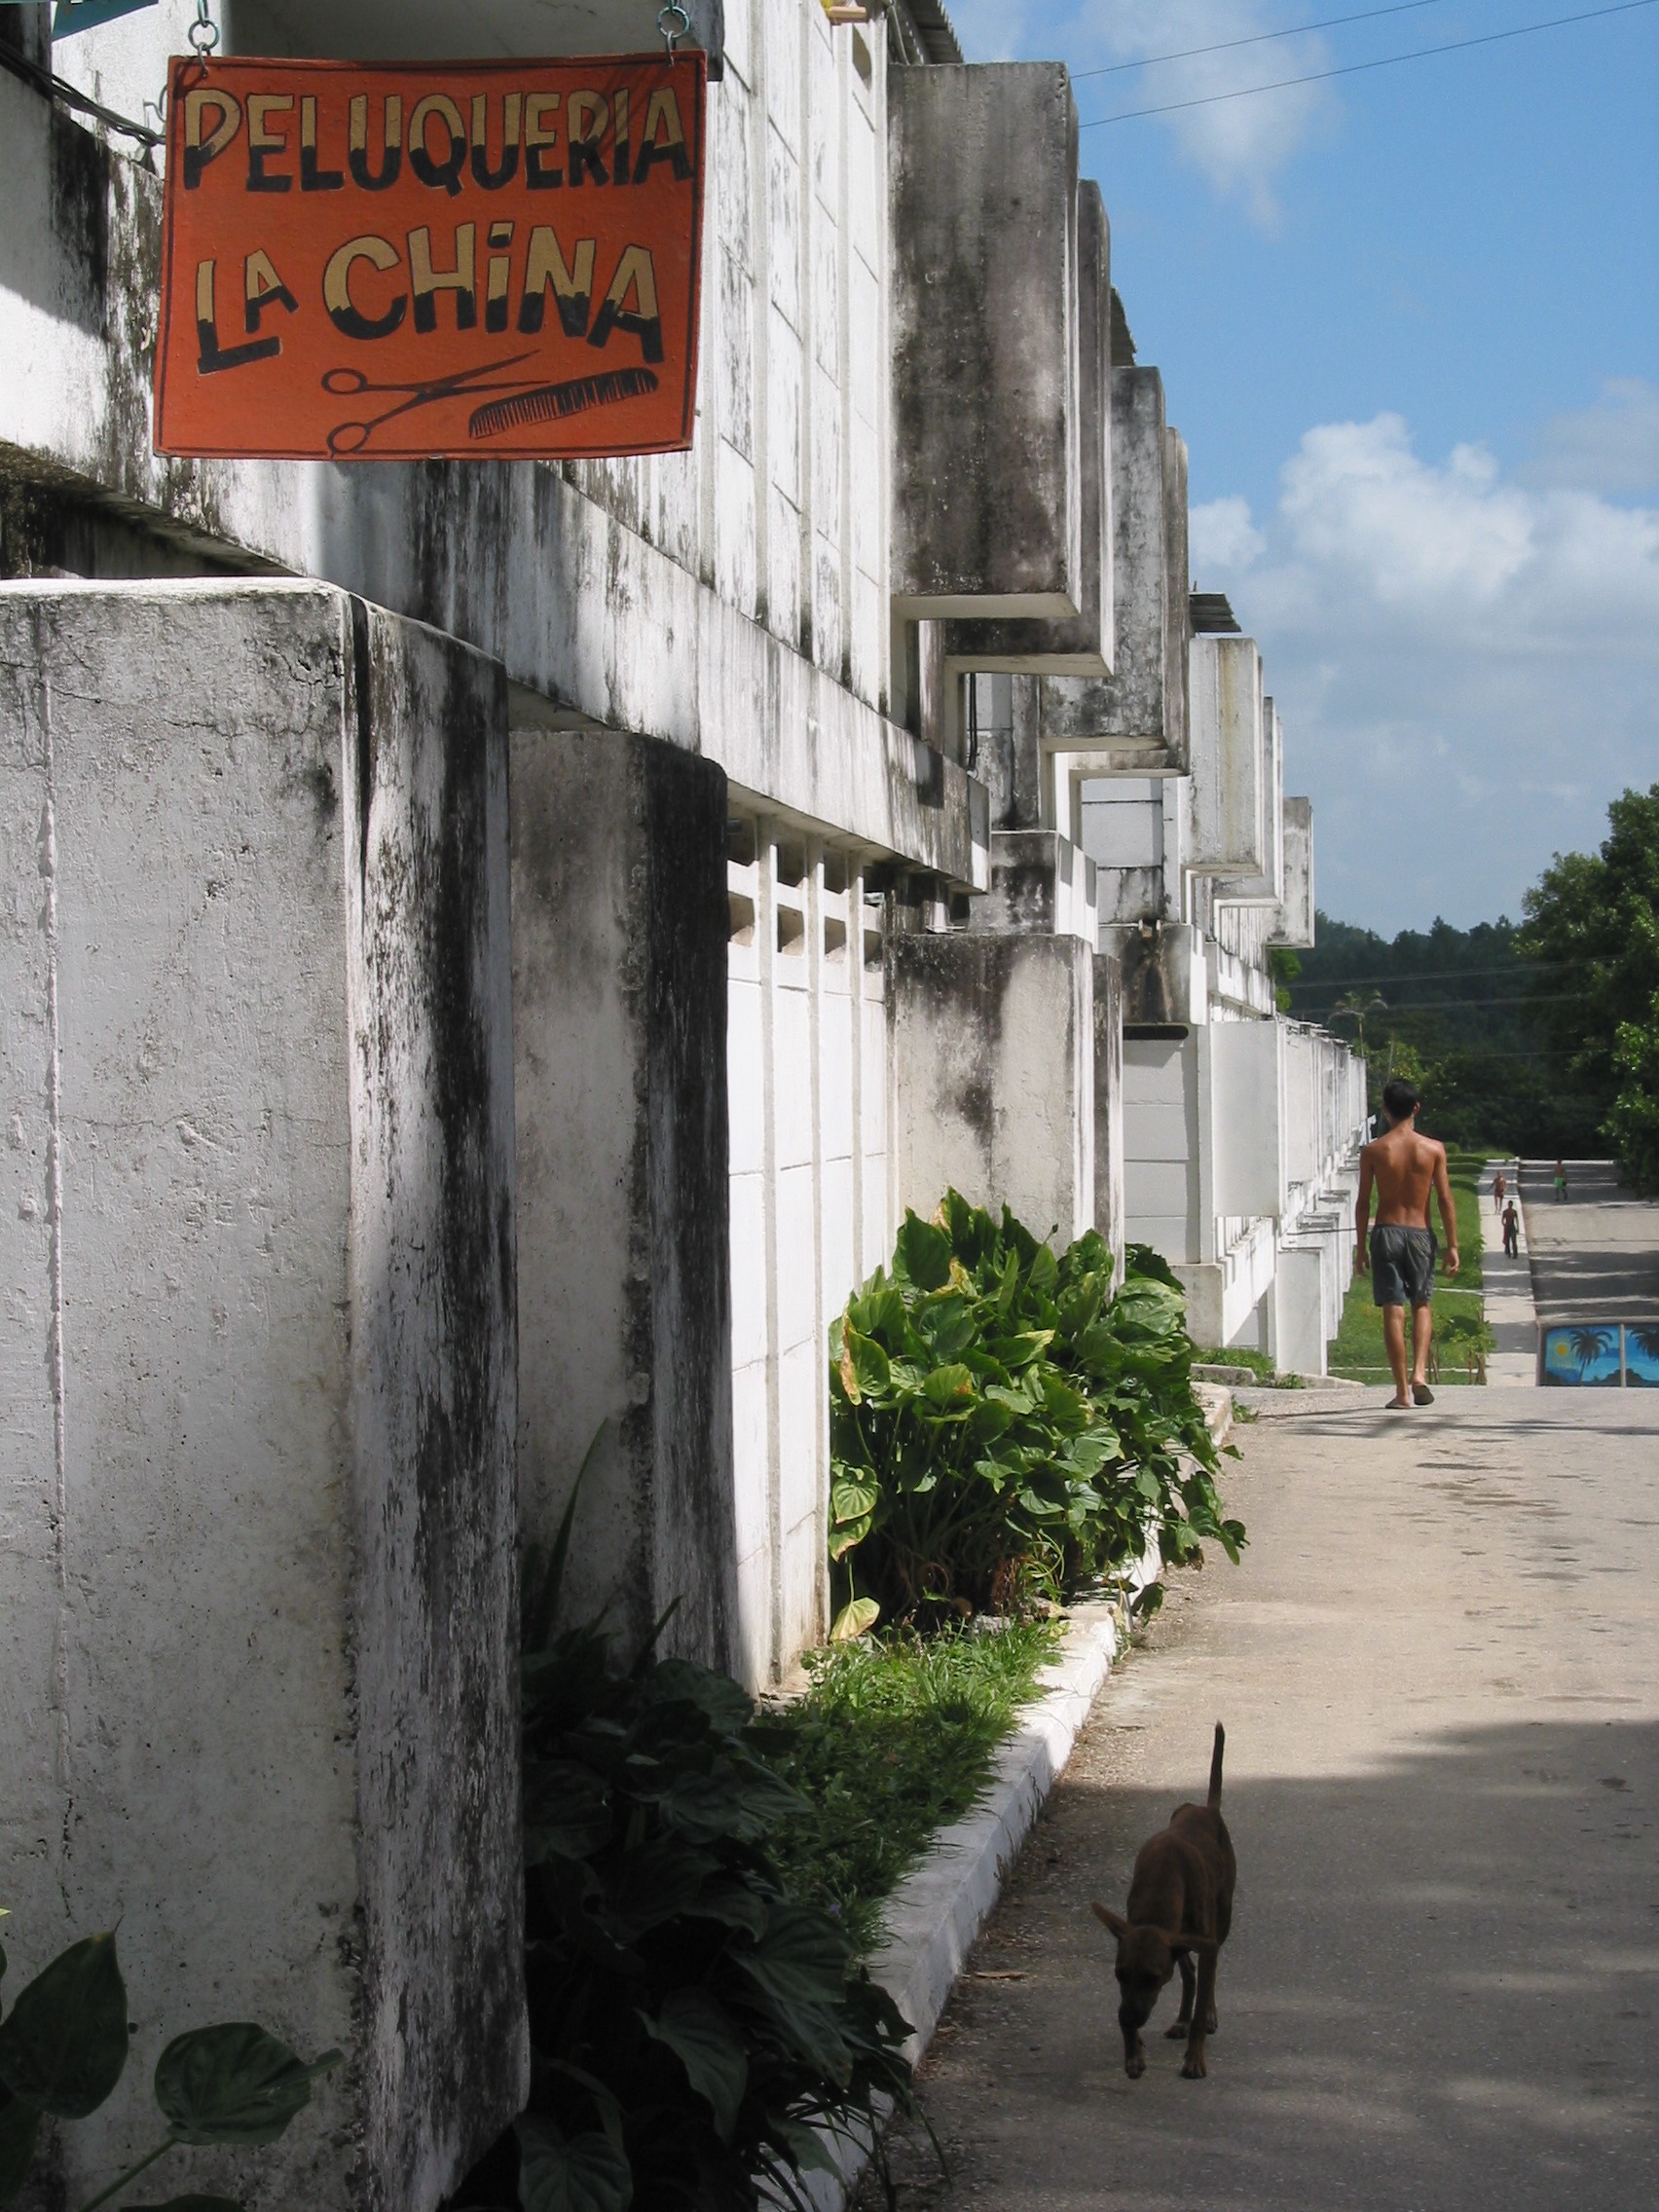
x,y
1134,2067
1194,2069
1210,2025
1177,2031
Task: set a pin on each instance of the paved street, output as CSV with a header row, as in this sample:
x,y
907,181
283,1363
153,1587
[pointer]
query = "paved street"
x,y
1595,1258
1439,1671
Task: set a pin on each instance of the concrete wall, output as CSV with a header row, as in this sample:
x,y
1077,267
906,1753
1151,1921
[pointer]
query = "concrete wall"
x,y
619,985
1109,1188
259,1605
812,1211
993,1045
1228,788
1082,645
1295,926
988,435
1137,717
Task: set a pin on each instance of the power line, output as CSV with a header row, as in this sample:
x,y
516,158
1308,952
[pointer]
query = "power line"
x,y
1437,1006
1354,69
1426,976
1257,38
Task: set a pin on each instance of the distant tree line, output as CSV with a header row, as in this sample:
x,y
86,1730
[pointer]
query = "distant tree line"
x,y
1540,1036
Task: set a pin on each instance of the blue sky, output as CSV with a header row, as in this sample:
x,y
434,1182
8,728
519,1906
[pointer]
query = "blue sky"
x,y
1409,323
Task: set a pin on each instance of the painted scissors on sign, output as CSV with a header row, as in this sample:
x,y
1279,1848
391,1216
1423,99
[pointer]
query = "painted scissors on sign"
x,y
351,437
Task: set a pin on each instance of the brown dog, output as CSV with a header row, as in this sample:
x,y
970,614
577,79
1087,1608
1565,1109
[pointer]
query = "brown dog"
x,y
1180,1909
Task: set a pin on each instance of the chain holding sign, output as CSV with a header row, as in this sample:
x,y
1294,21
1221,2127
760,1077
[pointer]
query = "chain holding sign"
x,y
483,259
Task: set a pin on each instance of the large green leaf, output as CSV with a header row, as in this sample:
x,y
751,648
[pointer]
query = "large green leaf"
x,y
717,1696
852,1501
733,1801
802,1957
701,2035
64,2042
863,1367
584,2173
854,1619
19,2125
922,1254
658,1880
566,1810
233,2083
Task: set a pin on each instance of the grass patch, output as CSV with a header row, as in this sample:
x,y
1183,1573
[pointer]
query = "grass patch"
x,y
1357,1352
893,1738
1260,1364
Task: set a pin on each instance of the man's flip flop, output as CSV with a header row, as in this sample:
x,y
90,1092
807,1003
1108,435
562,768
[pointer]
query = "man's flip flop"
x,y
1398,1406
1422,1394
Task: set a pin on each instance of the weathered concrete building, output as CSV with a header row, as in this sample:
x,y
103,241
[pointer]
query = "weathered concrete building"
x,y
495,945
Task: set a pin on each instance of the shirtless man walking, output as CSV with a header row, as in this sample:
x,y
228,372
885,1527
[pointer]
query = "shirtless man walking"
x,y
1400,1250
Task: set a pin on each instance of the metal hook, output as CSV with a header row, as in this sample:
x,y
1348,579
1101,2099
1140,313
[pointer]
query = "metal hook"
x,y
204,33
671,35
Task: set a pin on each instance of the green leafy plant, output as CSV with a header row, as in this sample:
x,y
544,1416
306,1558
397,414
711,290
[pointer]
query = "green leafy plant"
x,y
1000,1425
64,2048
695,2029
1467,1337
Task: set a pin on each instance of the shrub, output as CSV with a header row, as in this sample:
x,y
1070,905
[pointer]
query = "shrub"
x,y
1000,1425
64,2048
693,2027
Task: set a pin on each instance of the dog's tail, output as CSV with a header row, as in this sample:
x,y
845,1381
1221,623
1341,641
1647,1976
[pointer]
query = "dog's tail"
x,y
1215,1766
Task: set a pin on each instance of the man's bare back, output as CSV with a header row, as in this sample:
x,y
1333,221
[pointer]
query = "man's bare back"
x,y
1402,1167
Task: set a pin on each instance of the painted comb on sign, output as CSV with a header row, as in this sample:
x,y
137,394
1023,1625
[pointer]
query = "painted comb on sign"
x,y
490,259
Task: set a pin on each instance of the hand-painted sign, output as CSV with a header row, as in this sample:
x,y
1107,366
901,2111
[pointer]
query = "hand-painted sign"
x,y
490,259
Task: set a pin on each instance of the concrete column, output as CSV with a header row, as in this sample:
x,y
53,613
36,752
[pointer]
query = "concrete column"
x,y
619,1026
1109,1212
257,1603
993,1043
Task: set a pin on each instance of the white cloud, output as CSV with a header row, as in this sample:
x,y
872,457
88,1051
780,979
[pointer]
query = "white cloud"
x,y
1221,536
1610,447
1467,663
1239,145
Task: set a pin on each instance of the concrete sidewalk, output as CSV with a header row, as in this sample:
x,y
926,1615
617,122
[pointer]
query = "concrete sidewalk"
x,y
1439,1670
1513,1362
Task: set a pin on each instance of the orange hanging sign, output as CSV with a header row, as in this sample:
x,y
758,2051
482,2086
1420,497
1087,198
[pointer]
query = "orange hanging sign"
x,y
495,259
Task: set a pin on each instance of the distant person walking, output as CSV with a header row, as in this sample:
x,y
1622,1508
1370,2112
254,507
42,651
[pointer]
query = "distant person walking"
x,y
1499,1191
1404,1167
1512,1230
1561,1182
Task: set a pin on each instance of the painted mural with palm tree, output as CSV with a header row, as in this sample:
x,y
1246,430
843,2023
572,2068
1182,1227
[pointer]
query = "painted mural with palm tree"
x,y
1641,1357
1575,1356
1590,1346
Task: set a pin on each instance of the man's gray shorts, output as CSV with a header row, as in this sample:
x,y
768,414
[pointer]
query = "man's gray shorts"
x,y
1402,1266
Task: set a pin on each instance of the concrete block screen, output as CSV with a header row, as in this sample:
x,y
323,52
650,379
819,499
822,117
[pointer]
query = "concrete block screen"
x,y
987,469
1137,717
257,1603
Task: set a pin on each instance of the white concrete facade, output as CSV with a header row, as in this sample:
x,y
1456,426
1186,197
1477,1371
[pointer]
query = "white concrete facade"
x,y
1241,1129
795,942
